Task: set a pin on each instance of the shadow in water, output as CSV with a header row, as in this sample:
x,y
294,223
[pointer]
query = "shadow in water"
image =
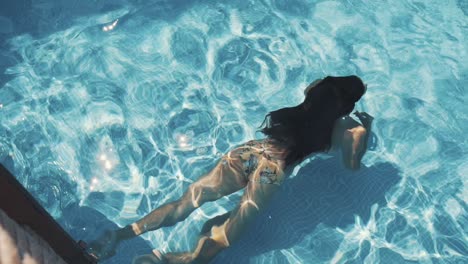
x,y
87,224
323,192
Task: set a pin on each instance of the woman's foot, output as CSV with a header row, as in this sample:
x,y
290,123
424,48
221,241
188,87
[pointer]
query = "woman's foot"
x,y
104,246
179,258
155,258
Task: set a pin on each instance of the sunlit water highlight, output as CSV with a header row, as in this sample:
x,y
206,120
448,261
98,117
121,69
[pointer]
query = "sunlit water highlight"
x,y
121,110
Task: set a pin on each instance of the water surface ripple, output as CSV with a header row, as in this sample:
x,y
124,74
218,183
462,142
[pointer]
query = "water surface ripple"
x,y
118,106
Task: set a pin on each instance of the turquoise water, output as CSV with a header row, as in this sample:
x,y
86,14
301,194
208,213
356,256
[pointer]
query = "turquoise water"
x,y
111,108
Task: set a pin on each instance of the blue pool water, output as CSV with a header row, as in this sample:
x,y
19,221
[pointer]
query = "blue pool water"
x,y
111,108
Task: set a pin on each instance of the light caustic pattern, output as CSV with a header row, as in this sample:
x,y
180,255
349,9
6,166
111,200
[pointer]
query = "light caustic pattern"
x,y
120,111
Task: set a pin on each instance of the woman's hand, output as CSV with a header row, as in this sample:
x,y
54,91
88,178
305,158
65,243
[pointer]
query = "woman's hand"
x,y
365,119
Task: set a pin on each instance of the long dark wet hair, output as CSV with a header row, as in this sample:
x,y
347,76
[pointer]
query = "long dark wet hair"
x,y
307,127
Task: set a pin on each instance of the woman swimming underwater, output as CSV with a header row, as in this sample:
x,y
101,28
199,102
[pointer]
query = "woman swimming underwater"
x,y
319,124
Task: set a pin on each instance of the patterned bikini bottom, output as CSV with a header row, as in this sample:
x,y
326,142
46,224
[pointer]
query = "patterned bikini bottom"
x,y
257,165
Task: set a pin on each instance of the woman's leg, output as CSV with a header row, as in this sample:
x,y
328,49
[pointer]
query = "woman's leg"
x,y
255,199
223,180
217,220
156,256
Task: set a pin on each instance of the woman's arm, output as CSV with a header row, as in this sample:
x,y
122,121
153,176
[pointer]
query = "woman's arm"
x,y
351,137
354,146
